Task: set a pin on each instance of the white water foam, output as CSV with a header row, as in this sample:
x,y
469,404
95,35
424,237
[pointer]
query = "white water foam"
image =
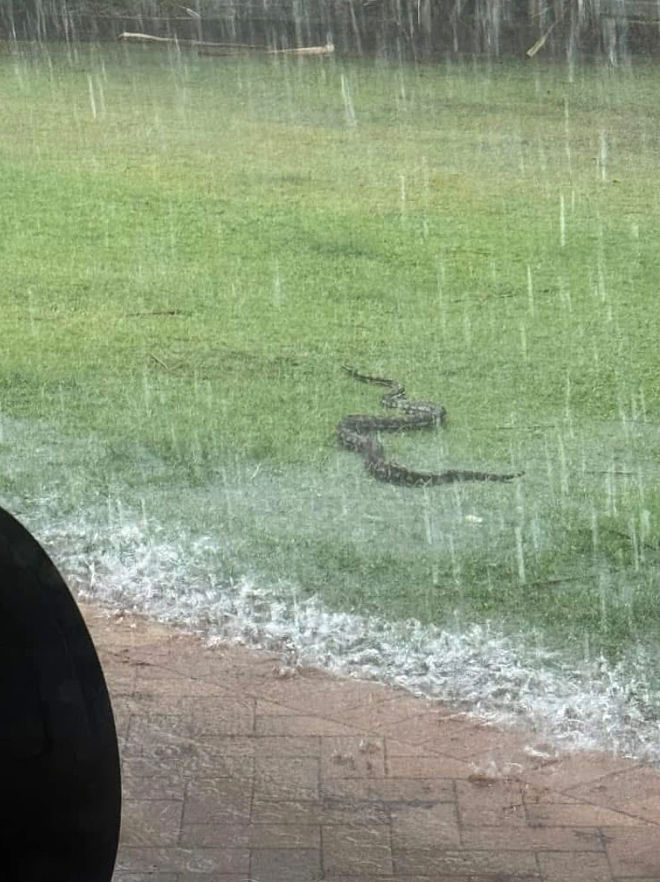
x,y
481,671
125,560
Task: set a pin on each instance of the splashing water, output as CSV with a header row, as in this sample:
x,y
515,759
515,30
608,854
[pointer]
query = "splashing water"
x,y
116,554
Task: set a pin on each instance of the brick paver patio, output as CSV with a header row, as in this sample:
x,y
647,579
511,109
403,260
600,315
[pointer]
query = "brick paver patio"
x,y
236,769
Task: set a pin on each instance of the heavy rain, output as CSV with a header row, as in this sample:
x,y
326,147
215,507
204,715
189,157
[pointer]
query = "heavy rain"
x,y
202,223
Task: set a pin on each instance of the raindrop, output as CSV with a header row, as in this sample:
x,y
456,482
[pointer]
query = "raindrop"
x,y
603,590
455,566
101,94
458,501
549,461
520,500
563,466
530,291
602,157
228,503
402,91
147,394
536,533
278,296
594,528
441,304
610,492
637,552
428,518
349,110
92,100
642,405
520,555
31,312
601,281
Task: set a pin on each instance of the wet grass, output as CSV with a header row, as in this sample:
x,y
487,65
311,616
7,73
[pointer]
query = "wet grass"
x,y
191,247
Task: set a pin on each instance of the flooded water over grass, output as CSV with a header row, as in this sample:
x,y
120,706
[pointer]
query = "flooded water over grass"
x,y
192,249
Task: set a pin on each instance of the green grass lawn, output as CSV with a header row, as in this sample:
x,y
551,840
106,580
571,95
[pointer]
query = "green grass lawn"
x,y
191,247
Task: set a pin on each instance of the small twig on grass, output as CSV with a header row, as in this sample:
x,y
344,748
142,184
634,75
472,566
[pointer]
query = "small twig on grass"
x,y
553,580
486,296
609,472
44,318
155,312
159,361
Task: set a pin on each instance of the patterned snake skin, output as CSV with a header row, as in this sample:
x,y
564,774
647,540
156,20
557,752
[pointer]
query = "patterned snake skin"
x,y
358,432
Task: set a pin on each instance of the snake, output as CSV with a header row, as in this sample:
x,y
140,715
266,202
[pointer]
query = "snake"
x,y
359,432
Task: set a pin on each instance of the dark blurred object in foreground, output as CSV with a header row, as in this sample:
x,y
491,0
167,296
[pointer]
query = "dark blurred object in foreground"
x,y
59,762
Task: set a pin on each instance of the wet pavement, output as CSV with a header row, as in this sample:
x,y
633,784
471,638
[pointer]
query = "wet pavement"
x,y
238,768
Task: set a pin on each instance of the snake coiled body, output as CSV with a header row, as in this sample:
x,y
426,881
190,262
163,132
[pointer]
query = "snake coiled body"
x,y
358,432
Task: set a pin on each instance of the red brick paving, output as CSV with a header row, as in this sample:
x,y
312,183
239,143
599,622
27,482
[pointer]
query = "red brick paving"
x,y
237,770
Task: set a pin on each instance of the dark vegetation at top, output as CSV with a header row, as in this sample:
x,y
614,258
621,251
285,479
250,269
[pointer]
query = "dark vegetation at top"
x,y
397,29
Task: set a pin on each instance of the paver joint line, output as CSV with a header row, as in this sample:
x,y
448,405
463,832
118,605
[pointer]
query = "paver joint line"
x,y
232,772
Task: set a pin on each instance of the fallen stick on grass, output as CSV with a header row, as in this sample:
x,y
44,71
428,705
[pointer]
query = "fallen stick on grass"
x,y
130,37
159,361
540,43
328,49
127,36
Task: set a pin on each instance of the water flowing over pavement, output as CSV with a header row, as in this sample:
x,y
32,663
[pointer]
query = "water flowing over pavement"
x,y
146,553
593,706
238,767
